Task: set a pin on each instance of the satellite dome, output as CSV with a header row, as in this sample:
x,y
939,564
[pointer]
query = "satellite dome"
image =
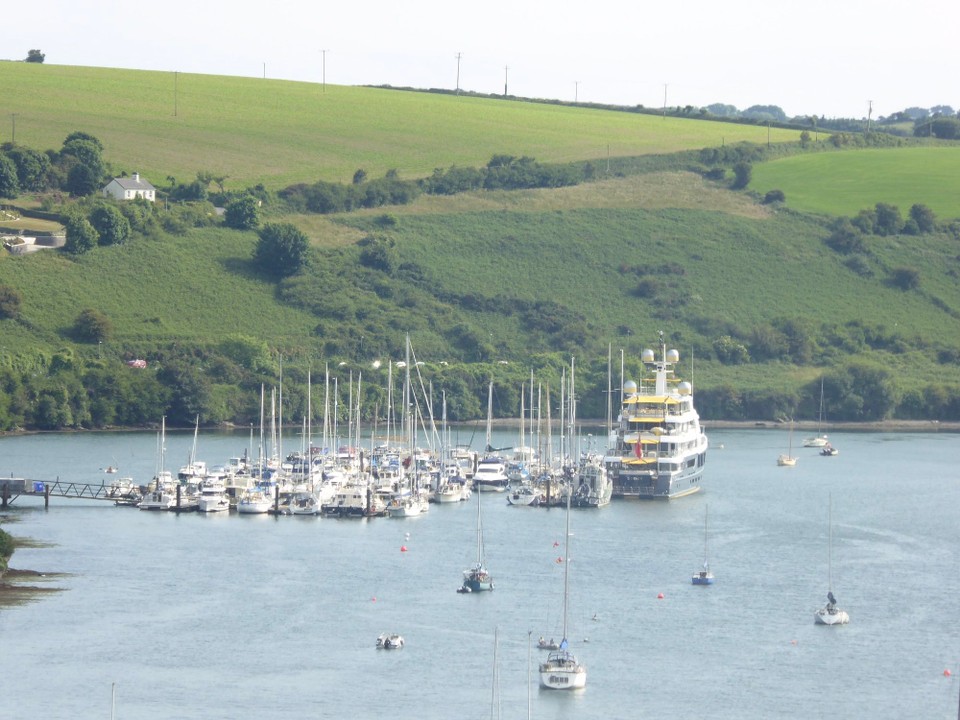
x,y
673,356
647,356
630,387
685,388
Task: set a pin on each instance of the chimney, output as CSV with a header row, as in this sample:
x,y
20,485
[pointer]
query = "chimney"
x,y
136,177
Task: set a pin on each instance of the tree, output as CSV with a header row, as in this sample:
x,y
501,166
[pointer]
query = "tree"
x,y
924,217
81,235
92,326
9,185
32,167
9,302
804,138
35,56
111,225
359,177
242,213
889,221
743,172
83,180
281,250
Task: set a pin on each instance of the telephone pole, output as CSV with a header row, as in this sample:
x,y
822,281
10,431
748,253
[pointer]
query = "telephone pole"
x,y
323,70
459,55
506,70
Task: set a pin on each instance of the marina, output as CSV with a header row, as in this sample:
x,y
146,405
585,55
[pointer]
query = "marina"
x,y
320,590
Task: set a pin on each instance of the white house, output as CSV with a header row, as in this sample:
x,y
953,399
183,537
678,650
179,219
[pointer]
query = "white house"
x,y
128,188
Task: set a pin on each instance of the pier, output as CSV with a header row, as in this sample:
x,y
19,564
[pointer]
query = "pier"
x,y
12,488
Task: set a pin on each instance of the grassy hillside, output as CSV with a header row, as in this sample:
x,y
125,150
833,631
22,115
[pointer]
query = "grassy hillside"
x,y
845,183
278,132
526,277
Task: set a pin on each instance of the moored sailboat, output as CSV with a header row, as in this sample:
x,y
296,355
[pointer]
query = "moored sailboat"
x,y
477,578
704,576
830,614
562,670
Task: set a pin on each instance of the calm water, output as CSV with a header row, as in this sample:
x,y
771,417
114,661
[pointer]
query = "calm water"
x,y
260,617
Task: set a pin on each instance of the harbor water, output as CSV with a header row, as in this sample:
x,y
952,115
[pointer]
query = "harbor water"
x,y
225,616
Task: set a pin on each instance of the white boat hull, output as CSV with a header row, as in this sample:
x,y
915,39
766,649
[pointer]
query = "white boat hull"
x,y
824,616
561,671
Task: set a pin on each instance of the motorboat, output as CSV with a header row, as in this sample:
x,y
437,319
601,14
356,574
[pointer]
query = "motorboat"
x,y
213,496
390,641
594,486
491,475
829,450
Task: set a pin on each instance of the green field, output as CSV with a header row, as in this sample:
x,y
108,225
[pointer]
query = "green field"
x,y
528,278
843,183
278,132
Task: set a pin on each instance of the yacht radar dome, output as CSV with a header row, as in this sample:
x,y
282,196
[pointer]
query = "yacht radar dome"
x,y
647,356
630,387
673,356
685,388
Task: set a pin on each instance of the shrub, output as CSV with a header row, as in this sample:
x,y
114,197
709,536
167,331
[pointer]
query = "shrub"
x,y
743,173
905,278
92,326
774,196
10,301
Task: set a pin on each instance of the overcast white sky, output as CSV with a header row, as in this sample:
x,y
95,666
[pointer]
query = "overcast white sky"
x,y
828,59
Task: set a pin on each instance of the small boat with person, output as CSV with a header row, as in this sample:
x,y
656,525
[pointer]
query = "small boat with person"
x,y
390,641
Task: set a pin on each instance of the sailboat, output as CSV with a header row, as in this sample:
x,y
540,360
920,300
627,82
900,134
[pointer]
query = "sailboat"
x,y
561,670
830,614
477,579
819,440
788,460
703,576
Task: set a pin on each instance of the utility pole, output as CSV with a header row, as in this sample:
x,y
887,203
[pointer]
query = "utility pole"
x,y
176,77
13,132
506,70
459,55
664,99
323,70
869,113
576,90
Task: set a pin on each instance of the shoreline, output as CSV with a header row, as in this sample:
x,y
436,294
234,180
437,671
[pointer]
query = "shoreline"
x,y
500,423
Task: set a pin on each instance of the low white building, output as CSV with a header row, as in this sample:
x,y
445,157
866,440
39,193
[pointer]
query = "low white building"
x,y
129,188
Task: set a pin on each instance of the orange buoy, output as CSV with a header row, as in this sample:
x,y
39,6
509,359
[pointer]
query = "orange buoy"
x,y
659,596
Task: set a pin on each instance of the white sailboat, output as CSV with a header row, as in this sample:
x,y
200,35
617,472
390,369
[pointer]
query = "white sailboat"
x,y
788,460
704,576
562,670
818,440
830,614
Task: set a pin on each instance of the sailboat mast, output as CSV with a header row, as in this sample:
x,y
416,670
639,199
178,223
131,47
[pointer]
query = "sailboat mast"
x,y
566,567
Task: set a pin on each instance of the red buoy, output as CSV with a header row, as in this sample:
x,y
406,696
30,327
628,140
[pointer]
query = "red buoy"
x,y
946,673
659,596
403,548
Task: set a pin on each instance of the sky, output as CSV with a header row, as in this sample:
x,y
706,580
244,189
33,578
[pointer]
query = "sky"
x,y
847,58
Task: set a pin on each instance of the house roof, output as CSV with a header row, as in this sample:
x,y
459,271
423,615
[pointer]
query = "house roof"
x,y
133,183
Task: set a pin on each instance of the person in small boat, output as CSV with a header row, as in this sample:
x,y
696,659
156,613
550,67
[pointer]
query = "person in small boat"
x,y
831,602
